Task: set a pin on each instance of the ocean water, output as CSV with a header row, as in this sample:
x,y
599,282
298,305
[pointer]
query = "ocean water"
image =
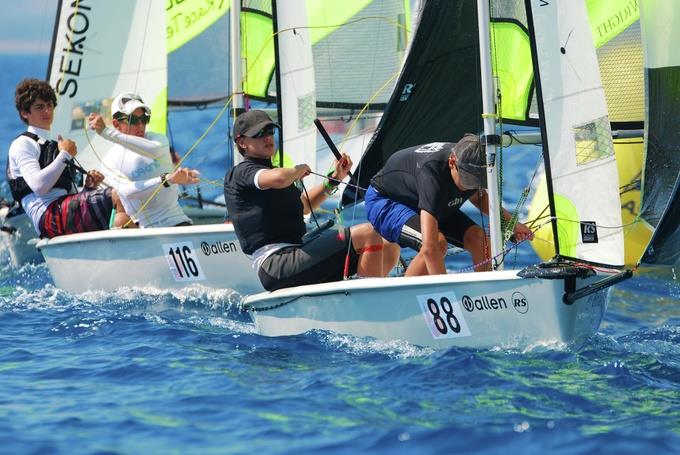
x,y
153,371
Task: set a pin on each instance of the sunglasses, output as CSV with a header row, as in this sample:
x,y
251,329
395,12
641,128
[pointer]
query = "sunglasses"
x,y
134,119
266,131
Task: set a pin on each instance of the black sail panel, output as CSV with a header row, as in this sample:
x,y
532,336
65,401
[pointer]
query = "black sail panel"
x,y
437,97
661,204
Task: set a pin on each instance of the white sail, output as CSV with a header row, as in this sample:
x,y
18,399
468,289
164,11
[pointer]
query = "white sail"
x,y
296,94
102,49
581,153
659,26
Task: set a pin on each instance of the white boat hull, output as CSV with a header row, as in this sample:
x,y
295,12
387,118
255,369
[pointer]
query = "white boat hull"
x,y
474,310
165,258
21,243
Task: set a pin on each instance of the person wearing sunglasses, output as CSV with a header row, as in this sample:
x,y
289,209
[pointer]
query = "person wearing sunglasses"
x,y
140,162
415,200
267,209
41,177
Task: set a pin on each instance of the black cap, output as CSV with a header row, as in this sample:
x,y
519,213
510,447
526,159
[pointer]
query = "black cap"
x,y
471,161
250,123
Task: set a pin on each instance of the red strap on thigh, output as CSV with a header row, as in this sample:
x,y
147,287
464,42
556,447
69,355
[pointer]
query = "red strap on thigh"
x,y
371,249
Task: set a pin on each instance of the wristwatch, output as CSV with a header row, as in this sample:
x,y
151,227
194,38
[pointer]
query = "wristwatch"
x,y
164,180
329,189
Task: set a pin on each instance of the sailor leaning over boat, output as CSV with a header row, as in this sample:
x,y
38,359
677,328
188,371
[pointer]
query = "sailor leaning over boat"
x,y
40,172
415,200
140,163
267,210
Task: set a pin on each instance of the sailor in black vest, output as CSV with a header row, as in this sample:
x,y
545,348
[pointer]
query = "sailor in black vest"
x,y
267,211
40,174
415,200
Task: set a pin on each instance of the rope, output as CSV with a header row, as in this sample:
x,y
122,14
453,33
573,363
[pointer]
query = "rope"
x,y
332,179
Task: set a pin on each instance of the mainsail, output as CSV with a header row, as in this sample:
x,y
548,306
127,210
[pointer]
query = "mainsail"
x,y
661,204
577,142
295,76
101,49
615,28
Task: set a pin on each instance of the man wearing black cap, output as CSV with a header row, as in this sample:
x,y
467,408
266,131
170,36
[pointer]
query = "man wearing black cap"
x,y
415,200
267,210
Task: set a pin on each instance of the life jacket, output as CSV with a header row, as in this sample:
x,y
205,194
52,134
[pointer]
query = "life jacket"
x,y
48,153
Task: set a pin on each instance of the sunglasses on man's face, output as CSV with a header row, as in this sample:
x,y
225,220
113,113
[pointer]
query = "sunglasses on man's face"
x,y
135,119
266,131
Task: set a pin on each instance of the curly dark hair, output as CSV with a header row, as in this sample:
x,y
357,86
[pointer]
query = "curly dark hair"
x,y
28,91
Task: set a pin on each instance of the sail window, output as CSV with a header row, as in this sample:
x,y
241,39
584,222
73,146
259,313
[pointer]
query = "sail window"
x,y
593,141
306,111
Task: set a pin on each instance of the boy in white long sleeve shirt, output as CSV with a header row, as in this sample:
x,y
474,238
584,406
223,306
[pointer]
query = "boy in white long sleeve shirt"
x,y
40,178
139,163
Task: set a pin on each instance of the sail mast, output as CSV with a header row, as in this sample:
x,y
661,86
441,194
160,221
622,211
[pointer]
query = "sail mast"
x,y
489,117
236,62
277,74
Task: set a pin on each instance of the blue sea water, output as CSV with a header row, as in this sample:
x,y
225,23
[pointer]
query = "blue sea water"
x,y
184,372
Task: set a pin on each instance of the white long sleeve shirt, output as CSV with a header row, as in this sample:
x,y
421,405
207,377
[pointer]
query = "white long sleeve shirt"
x,y
133,167
23,160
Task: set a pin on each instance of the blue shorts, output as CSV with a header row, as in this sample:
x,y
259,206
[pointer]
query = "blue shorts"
x,y
386,215
401,224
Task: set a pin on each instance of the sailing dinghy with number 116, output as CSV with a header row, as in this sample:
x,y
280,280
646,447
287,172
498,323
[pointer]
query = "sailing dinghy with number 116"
x,y
116,48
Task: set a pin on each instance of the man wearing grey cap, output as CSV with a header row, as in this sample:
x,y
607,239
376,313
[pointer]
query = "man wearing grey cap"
x,y
415,200
267,210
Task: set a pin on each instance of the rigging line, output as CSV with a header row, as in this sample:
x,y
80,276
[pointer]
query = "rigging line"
x,y
500,255
271,37
309,201
632,223
136,86
219,115
141,47
387,19
365,108
209,182
332,179
99,158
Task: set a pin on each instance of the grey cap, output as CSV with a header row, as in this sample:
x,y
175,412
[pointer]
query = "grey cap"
x,y
471,161
250,123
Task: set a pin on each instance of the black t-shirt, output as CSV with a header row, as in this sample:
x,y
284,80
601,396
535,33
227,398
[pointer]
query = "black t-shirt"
x,y
262,217
420,178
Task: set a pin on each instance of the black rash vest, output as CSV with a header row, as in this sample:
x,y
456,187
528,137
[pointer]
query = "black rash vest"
x,y
262,217
420,178
48,153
